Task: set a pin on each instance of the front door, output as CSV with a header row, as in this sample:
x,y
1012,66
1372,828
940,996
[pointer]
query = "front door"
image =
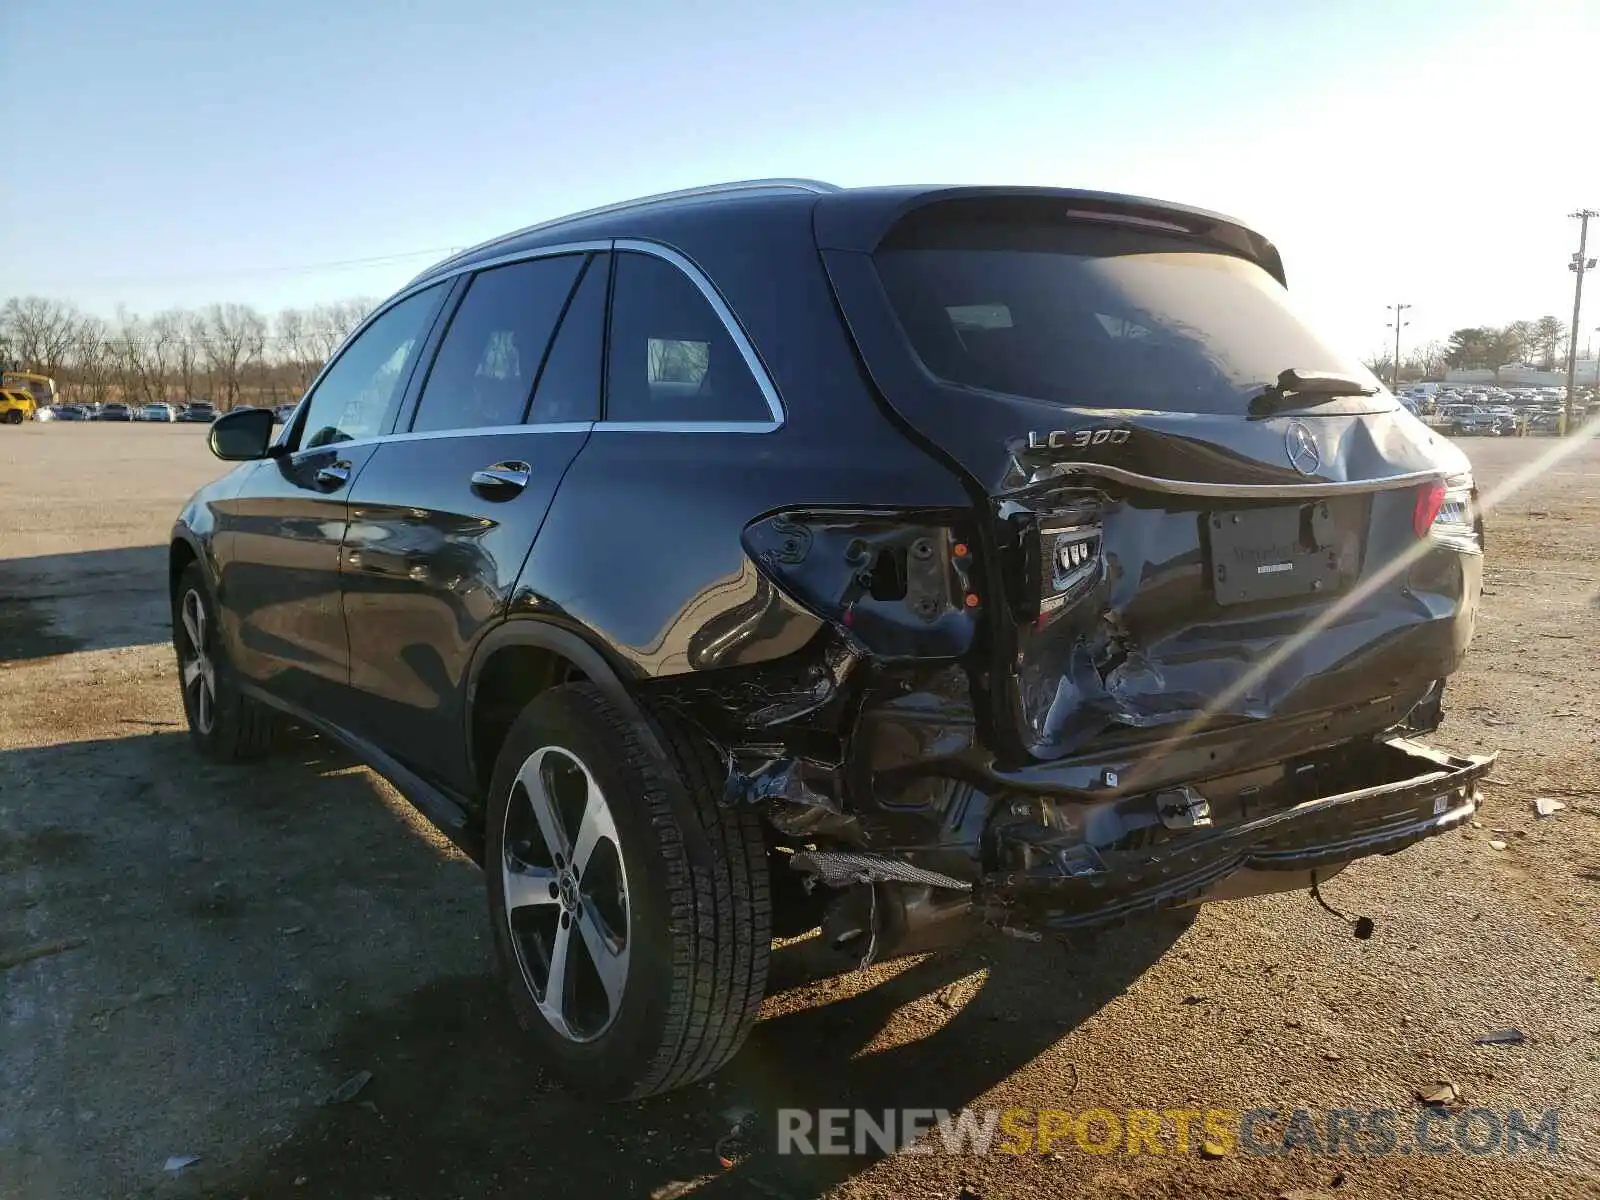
x,y
279,577
444,515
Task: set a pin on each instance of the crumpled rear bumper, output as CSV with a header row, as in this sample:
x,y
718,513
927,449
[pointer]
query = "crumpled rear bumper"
x,y
1077,884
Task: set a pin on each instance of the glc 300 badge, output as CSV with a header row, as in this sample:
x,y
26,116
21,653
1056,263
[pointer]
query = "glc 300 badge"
x,y
1076,439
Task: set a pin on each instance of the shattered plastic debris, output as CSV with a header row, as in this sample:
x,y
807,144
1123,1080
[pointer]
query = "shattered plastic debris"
x,y
1502,1037
178,1162
1547,806
734,1146
1444,1094
349,1089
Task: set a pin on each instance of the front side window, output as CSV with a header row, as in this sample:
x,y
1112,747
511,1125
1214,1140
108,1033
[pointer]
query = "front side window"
x,y
484,373
358,395
671,358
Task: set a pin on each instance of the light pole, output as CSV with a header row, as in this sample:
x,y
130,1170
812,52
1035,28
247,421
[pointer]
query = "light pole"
x,y
1394,368
1577,266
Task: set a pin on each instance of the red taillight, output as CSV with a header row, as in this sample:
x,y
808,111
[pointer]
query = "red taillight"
x,y
1430,497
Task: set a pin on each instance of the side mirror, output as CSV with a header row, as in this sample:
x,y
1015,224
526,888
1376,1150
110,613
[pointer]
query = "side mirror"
x,y
241,436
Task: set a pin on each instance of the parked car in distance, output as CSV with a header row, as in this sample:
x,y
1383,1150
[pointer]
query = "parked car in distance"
x,y
1467,420
157,412
197,411
282,413
912,622
70,412
113,412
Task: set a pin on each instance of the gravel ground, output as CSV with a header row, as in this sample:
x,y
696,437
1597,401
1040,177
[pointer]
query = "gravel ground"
x,y
192,957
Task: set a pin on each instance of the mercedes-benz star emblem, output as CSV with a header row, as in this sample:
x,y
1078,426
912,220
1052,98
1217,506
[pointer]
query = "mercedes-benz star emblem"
x,y
1304,456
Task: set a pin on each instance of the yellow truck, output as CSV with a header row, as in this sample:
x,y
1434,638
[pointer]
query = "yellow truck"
x,y
23,394
16,406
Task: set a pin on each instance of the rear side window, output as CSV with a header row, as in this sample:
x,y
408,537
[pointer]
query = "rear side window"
x,y
569,385
1093,316
484,372
671,357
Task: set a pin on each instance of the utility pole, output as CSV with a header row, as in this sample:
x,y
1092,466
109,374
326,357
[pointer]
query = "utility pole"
x,y
1577,266
1394,368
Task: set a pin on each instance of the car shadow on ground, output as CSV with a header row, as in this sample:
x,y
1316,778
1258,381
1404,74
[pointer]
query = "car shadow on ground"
x,y
87,600
386,977
457,1106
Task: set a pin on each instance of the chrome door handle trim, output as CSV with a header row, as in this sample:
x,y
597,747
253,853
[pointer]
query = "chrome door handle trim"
x,y
503,475
334,475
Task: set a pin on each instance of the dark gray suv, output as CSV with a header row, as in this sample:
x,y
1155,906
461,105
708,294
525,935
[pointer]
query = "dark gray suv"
x,y
895,560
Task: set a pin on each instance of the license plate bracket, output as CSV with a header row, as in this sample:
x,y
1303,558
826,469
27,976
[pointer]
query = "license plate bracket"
x,y
1272,554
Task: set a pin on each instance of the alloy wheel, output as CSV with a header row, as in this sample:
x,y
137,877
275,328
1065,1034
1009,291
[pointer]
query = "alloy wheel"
x,y
566,894
198,671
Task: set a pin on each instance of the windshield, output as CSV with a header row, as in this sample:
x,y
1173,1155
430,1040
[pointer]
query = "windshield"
x,y
1102,317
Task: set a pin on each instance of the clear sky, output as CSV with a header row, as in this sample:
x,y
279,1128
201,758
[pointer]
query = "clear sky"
x,y
175,152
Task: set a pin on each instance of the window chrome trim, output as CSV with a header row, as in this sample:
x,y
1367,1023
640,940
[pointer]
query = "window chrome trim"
x,y
686,265
687,426
741,340
595,246
427,435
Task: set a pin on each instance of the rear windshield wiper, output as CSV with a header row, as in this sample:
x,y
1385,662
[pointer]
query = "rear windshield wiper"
x,y
1307,387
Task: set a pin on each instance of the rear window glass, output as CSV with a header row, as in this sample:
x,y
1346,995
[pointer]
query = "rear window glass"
x,y
1096,316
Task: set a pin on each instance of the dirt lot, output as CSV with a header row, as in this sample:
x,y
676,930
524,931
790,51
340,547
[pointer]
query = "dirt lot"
x,y
192,957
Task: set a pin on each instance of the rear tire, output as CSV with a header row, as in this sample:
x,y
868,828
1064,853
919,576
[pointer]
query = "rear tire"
x,y
224,724
663,926
14,417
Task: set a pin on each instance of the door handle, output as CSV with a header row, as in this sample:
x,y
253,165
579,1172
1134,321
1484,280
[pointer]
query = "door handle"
x,y
506,477
334,475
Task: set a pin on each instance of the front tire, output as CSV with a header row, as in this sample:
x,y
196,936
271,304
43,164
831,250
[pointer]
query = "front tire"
x,y
631,912
224,724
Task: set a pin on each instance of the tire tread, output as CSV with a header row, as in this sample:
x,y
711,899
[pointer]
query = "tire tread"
x,y
719,904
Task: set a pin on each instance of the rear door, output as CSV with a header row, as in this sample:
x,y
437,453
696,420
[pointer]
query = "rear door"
x,y
444,515
280,534
1159,541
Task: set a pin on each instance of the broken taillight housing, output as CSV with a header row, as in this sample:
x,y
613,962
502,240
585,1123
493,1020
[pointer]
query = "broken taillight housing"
x,y
1072,558
1447,511
1062,556
902,584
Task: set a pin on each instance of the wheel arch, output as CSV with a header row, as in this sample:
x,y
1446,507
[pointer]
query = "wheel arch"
x,y
516,661
182,551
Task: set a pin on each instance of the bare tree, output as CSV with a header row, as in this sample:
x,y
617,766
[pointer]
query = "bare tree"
x,y
297,349
92,363
330,324
1549,340
1426,360
236,336
40,332
127,352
